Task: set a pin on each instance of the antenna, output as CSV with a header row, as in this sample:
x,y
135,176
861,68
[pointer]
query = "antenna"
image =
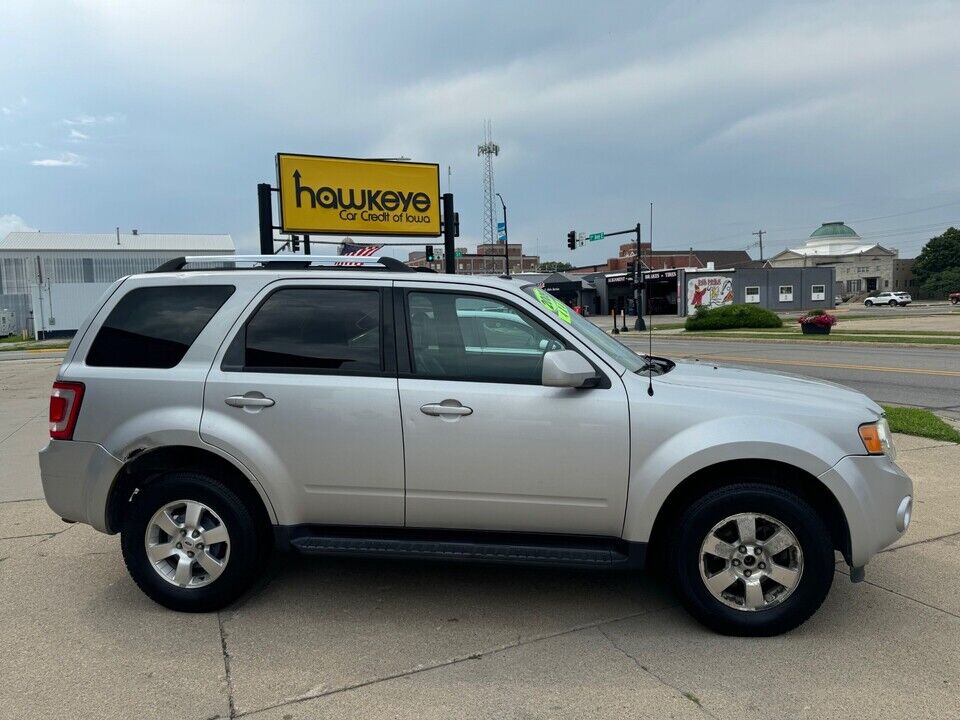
x,y
649,310
487,151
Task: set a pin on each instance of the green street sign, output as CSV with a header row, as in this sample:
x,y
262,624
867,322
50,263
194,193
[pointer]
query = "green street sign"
x,y
595,236
457,253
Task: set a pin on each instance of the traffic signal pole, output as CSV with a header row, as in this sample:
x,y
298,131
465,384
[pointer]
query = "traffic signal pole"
x,y
638,297
640,325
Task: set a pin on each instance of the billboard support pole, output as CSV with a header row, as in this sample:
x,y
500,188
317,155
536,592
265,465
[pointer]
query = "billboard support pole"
x,y
449,233
265,208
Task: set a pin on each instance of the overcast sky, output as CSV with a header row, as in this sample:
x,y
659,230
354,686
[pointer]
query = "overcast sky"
x,y
729,116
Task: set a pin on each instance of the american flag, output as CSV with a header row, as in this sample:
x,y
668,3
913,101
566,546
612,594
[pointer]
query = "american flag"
x,y
361,250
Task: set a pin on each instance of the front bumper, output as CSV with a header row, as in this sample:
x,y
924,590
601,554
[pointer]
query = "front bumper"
x,y
77,477
875,495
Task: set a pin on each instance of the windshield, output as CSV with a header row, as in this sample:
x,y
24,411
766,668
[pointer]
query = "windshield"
x,y
615,349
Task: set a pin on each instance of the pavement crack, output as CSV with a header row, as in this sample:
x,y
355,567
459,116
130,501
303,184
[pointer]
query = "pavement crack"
x,y
906,597
32,535
226,666
920,542
686,694
316,694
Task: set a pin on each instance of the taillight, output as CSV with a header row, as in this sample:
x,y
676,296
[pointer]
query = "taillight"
x,y
64,408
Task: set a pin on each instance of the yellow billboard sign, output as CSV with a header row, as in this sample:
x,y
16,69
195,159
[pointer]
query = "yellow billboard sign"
x,y
333,196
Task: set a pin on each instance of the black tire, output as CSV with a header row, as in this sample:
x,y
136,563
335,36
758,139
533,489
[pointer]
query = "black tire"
x,y
248,548
802,520
868,303
892,303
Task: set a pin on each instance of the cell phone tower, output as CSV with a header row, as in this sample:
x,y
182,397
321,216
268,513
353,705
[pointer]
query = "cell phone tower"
x,y
487,151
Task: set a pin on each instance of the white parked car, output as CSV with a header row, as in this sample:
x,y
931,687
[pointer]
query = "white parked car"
x,y
892,299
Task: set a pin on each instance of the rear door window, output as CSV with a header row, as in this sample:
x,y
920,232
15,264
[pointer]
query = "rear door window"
x,y
314,330
153,327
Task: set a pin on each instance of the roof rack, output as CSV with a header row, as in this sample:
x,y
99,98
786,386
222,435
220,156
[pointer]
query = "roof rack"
x,y
273,262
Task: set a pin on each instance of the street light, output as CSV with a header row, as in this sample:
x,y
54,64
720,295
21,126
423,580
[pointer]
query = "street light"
x,y
506,241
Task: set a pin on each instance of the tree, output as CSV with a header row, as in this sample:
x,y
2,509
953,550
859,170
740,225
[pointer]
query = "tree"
x,y
554,266
939,285
939,254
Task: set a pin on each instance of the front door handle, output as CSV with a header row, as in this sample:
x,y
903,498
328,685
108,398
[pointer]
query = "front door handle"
x,y
249,401
447,407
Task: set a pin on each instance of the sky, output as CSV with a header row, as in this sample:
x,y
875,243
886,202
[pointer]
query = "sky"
x,y
729,116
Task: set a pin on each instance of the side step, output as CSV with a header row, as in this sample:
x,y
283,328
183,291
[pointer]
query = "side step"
x,y
597,555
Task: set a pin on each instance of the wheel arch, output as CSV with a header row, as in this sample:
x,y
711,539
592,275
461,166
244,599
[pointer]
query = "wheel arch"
x,y
770,472
147,466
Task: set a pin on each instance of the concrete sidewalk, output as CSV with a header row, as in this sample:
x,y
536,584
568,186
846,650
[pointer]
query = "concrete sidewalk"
x,y
351,638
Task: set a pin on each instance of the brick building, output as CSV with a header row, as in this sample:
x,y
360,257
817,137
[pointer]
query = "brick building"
x,y
488,260
670,259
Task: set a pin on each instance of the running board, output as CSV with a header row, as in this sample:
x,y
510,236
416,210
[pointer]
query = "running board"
x,y
598,555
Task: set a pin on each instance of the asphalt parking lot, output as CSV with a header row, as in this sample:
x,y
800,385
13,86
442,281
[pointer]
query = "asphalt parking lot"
x,y
348,638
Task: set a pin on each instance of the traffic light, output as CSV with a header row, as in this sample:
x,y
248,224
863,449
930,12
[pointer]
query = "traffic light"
x,y
430,256
295,243
572,239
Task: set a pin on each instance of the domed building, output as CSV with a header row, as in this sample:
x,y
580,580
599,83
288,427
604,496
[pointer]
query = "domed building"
x,y
860,266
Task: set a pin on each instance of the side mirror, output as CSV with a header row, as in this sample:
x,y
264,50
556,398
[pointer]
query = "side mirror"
x,y
567,368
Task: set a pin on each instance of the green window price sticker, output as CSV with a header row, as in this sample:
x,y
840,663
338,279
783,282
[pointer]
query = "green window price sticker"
x,y
553,305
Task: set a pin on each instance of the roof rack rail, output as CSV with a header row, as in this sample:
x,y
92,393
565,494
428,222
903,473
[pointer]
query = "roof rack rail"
x,y
291,261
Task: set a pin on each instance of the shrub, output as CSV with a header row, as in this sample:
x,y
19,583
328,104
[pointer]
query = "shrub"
x,y
733,316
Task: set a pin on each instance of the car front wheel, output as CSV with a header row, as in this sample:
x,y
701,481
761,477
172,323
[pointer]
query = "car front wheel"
x,y
752,560
190,543
892,303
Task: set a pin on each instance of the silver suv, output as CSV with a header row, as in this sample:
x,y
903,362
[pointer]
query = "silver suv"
x,y
210,414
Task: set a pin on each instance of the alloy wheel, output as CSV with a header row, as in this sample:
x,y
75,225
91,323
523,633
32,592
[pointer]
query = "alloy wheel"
x,y
187,544
750,561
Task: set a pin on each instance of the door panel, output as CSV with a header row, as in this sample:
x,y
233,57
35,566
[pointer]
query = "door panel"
x,y
516,456
527,458
329,448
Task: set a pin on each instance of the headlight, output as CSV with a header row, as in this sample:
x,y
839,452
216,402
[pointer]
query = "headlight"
x,y
877,439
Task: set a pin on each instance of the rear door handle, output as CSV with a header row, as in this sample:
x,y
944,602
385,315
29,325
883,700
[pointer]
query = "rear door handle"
x,y
447,407
249,401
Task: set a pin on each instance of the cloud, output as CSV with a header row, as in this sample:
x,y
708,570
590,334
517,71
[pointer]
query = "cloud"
x,y
87,120
67,159
77,136
13,223
12,109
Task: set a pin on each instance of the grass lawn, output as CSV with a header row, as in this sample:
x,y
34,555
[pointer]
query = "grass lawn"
x,y
23,346
923,423
781,335
795,330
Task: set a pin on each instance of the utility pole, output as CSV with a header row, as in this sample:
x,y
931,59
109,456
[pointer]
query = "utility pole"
x,y
760,234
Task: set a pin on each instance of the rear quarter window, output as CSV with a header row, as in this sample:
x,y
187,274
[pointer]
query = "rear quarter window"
x,y
153,327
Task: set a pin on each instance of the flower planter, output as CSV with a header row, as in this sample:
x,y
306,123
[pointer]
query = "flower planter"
x,y
811,329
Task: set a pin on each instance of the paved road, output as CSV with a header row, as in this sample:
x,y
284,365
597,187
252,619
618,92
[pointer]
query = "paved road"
x,y
923,377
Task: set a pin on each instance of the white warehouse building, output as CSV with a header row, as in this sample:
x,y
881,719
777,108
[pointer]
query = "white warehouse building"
x,y
50,281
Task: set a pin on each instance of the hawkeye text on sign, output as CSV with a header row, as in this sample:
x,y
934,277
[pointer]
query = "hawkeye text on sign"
x,y
325,195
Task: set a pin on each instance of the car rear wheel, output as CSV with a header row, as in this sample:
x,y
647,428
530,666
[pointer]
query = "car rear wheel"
x,y
190,543
752,560
892,303
868,303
